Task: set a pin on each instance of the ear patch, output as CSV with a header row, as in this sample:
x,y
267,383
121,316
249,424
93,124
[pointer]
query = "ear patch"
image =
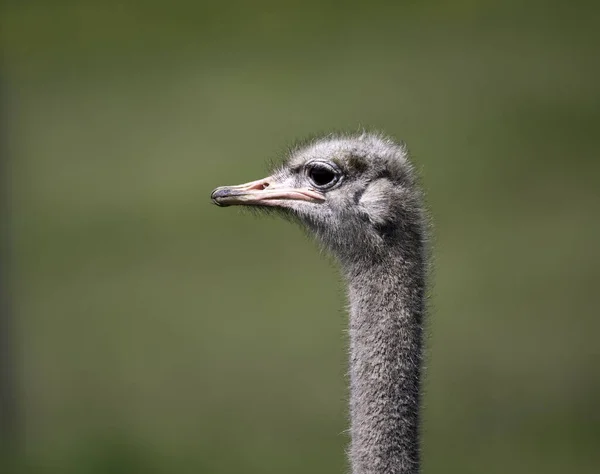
x,y
377,202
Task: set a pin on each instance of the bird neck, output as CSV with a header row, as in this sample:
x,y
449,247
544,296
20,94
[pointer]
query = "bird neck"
x,y
386,316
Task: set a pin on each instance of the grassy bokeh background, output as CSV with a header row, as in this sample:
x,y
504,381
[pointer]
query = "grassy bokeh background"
x,y
158,333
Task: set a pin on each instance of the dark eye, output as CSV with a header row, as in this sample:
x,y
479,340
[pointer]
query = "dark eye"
x,y
323,175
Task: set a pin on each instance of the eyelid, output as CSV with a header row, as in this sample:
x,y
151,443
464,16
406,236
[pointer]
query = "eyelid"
x,y
325,164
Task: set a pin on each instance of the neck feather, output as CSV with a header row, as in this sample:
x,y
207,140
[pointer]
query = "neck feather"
x,y
386,325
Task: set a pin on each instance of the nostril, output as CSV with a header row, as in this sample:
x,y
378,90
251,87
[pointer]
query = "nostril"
x,y
261,185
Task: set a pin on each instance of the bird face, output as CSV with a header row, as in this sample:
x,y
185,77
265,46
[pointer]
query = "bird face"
x,y
347,190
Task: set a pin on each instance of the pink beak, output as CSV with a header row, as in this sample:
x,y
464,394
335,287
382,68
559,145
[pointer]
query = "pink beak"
x,y
264,192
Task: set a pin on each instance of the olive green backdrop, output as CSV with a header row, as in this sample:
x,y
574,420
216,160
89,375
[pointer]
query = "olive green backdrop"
x,y
157,333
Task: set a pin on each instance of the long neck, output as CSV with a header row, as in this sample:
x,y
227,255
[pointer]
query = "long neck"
x,y
386,324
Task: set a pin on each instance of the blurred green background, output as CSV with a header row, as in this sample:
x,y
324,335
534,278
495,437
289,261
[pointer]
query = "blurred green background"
x,y
157,333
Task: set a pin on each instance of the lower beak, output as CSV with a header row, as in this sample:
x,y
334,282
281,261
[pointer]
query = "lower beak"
x,y
264,192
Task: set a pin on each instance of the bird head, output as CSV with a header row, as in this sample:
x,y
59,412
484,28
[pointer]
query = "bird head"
x,y
356,193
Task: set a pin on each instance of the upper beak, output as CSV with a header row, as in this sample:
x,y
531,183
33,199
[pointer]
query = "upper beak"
x,y
264,192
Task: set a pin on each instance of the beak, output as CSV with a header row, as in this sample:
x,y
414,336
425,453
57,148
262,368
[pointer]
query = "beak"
x,y
264,192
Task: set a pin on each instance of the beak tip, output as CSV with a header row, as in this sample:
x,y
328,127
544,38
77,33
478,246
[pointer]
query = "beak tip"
x,y
216,195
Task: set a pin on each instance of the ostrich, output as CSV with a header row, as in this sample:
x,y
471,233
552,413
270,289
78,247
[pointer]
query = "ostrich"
x,y
359,196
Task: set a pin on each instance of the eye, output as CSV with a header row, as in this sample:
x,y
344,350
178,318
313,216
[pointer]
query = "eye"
x,y
323,175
